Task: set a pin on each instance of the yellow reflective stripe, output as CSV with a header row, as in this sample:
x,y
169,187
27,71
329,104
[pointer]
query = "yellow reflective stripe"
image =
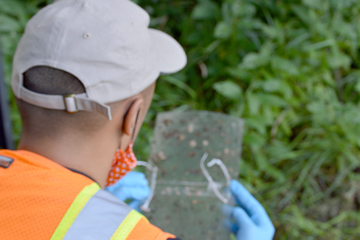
x,y
127,225
74,210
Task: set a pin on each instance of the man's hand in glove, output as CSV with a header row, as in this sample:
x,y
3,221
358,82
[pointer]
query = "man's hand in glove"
x,y
248,220
134,187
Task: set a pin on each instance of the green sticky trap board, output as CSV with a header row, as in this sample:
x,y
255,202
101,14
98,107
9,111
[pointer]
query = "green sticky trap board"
x,y
183,203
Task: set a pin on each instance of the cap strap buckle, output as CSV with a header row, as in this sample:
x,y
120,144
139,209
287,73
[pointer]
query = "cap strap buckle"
x,y
70,103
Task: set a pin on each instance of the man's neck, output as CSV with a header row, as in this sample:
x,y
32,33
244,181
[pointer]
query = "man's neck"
x,y
92,158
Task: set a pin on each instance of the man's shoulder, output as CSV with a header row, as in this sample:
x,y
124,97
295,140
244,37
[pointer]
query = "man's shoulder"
x,y
33,168
67,205
106,217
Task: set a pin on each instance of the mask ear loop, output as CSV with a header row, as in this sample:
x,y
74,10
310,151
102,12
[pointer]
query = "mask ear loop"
x,y
212,183
136,120
151,168
154,171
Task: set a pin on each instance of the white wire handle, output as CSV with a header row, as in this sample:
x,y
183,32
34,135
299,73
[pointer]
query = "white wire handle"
x,y
154,170
212,184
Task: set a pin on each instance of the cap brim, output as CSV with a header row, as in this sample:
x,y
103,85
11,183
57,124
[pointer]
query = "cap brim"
x,y
171,56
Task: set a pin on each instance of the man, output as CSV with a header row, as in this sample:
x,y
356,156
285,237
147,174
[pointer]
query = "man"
x,y
84,75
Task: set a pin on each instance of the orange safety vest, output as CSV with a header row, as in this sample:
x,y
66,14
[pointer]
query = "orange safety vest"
x,y
40,199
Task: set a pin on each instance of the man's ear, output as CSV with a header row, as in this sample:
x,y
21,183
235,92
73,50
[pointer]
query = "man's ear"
x,y
132,114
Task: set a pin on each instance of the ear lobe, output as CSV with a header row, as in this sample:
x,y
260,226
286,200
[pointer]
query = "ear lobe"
x,y
130,118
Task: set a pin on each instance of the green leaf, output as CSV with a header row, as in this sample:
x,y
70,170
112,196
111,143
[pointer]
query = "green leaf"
x,y
271,100
228,89
237,8
180,84
316,4
253,103
272,85
255,60
279,175
344,4
357,87
261,160
269,31
243,9
339,60
284,65
205,10
254,140
303,13
251,61
320,45
257,122
226,11
8,24
240,73
278,86
222,30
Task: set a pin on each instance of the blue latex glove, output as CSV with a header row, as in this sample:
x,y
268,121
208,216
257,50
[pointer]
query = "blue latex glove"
x,y
249,220
133,186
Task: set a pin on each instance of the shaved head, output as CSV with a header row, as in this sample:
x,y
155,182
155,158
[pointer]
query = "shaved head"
x,y
85,141
40,122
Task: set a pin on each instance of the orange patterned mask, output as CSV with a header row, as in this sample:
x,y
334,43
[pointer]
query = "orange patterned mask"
x,y
124,162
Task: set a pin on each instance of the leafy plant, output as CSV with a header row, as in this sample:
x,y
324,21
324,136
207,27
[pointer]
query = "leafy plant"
x,y
291,70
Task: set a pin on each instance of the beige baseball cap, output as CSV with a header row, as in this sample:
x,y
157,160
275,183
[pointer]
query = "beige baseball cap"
x,y
106,44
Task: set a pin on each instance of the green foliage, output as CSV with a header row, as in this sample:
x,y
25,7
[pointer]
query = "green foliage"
x,y
228,89
291,70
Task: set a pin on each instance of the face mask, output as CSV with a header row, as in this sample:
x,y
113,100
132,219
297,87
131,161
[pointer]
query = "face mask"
x,y
124,162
